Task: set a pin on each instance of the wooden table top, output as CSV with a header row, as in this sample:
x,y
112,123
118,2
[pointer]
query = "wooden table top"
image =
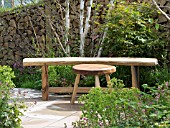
x,y
94,69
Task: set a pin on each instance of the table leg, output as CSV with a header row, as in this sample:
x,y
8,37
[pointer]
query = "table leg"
x,y
107,77
135,76
75,88
45,85
97,81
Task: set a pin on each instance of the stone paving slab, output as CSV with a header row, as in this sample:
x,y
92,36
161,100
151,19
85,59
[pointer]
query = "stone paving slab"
x,y
68,120
47,114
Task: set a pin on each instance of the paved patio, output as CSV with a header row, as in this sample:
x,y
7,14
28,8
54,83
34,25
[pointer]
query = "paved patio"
x,y
54,113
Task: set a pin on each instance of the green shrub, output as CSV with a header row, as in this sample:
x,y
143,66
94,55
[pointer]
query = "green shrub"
x,y
125,107
61,76
58,76
10,110
154,75
27,77
151,75
132,30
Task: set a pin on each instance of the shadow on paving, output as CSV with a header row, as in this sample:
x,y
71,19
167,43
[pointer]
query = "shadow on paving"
x,y
65,107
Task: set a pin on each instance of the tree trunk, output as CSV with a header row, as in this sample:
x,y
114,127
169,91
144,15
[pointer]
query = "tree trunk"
x,y
67,27
104,35
84,30
82,39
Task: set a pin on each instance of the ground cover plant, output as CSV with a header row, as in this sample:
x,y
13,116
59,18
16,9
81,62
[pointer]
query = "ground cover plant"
x,y
10,109
125,107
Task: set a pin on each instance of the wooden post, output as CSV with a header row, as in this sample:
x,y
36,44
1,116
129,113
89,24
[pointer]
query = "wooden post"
x,y
75,88
107,77
97,81
45,85
135,76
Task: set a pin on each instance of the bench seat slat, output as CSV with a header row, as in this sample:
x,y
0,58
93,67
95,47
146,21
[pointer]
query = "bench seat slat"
x,y
89,60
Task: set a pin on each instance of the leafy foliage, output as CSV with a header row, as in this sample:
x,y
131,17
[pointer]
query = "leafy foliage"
x,y
10,110
27,77
154,75
61,76
132,30
125,107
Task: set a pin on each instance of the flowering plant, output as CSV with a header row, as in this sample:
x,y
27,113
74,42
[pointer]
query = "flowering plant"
x,y
126,107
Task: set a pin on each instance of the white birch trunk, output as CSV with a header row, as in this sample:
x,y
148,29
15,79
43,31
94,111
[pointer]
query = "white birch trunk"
x,y
84,30
104,35
82,39
67,27
88,18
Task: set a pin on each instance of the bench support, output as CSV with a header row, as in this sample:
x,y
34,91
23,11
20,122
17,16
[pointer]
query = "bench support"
x,y
45,84
135,76
97,81
107,78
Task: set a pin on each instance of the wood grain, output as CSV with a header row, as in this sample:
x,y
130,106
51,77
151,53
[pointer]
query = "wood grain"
x,y
45,84
94,69
75,88
89,60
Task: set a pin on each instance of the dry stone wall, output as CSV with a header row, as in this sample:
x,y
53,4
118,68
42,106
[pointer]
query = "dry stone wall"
x,y
17,32
25,32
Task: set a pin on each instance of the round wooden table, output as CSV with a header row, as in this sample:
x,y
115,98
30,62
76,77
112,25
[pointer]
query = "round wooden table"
x,y
91,69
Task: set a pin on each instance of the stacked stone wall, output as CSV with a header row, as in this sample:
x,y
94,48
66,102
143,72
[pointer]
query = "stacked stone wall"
x,y
17,32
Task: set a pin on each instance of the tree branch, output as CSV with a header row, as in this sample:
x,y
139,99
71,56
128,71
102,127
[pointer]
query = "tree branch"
x,y
154,2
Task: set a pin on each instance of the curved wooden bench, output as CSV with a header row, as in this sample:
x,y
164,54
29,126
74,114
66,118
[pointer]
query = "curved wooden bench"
x,y
91,69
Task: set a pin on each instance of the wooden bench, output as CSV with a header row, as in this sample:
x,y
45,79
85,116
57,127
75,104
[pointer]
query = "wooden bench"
x,y
45,62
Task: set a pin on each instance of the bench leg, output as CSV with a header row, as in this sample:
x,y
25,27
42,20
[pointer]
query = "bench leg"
x,y
135,76
107,77
97,81
45,85
75,88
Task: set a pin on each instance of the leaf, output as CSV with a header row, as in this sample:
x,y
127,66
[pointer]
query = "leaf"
x,y
156,26
150,20
145,86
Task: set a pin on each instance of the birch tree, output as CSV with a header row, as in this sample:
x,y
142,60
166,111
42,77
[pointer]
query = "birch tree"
x,y
67,21
104,35
84,28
